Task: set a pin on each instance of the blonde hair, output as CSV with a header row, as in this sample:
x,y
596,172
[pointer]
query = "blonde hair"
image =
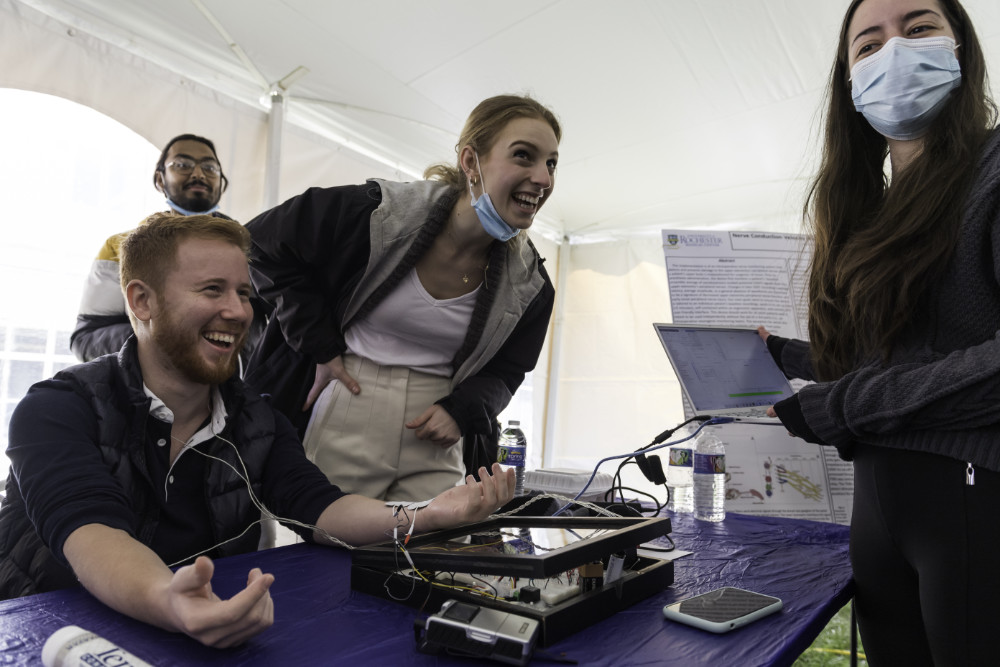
x,y
484,124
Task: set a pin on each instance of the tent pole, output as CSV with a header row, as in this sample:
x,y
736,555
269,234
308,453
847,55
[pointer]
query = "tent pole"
x,y
552,394
272,170
272,173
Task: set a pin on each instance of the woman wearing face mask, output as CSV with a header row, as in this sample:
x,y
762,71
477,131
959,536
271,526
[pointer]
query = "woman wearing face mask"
x,y
904,315
420,306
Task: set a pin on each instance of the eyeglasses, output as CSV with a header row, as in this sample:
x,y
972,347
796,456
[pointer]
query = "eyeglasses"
x,y
185,166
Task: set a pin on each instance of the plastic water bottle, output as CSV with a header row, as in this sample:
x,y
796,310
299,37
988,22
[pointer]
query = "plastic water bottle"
x,y
709,478
72,646
680,478
512,452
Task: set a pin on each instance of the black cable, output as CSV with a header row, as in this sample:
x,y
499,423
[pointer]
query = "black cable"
x,y
616,481
657,478
670,431
618,489
662,549
651,468
656,501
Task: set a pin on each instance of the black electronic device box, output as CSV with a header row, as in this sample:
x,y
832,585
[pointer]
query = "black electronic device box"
x,y
522,551
517,545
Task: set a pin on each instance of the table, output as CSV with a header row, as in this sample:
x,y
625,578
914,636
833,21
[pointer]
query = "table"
x,y
320,620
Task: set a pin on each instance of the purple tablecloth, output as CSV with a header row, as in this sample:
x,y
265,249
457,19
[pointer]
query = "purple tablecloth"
x,y
319,620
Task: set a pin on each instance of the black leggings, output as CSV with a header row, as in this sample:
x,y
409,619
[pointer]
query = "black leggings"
x,y
925,548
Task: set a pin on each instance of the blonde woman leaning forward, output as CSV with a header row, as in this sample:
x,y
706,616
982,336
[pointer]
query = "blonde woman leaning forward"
x,y
412,310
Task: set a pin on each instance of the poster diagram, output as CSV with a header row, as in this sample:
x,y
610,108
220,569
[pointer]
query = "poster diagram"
x,y
802,479
791,477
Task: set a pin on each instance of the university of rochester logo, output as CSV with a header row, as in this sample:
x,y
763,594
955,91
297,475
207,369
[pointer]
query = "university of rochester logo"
x,y
692,240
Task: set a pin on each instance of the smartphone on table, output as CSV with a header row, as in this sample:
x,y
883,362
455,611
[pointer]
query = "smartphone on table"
x,y
723,609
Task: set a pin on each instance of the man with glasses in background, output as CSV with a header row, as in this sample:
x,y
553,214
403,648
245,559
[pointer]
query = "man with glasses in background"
x,y
189,175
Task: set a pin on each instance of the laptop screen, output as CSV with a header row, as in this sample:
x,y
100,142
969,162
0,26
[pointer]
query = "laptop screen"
x,y
723,368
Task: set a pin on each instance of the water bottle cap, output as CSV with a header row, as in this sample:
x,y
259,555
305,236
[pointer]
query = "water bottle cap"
x,y
54,649
513,422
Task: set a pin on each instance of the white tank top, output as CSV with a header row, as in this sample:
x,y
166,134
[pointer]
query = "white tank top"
x,y
413,329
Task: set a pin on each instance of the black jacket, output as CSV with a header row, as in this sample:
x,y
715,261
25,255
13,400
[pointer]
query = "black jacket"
x,y
330,255
112,386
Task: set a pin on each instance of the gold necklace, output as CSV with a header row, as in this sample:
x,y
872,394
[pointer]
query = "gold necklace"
x,y
454,243
484,269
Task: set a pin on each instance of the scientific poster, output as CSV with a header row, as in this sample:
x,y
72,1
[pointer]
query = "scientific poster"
x,y
748,279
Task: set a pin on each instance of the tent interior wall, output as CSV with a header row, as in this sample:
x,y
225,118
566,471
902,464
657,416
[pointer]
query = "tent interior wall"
x,y
634,141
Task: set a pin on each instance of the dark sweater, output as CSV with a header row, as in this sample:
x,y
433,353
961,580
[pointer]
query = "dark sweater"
x,y
940,390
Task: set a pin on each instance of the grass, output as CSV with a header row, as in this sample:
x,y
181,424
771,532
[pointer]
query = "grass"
x,y
833,646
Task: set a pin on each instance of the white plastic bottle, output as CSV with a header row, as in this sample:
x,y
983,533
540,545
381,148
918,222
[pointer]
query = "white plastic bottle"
x,y
72,646
709,478
680,478
512,453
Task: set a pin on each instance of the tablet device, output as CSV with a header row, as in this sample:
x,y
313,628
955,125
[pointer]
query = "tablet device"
x,y
723,609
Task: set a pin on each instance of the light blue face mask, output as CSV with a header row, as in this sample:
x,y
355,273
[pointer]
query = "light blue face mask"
x,y
184,211
487,213
902,88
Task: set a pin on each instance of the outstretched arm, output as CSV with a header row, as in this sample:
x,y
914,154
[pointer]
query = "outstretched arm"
x,y
360,520
960,390
793,356
128,577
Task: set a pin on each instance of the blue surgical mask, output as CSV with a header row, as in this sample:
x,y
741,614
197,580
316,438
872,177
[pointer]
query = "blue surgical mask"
x,y
487,213
184,211
901,89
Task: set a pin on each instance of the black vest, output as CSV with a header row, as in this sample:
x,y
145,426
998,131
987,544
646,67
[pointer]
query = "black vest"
x,y
112,385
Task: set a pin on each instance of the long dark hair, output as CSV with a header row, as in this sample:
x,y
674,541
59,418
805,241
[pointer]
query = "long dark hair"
x,y
878,249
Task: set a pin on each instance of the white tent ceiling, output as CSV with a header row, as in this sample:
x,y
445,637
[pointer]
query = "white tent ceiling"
x,y
696,114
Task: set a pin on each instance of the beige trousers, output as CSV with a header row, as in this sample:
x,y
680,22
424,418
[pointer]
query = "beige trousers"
x,y
360,441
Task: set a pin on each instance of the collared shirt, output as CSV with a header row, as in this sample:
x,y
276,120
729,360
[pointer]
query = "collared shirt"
x,y
208,430
180,484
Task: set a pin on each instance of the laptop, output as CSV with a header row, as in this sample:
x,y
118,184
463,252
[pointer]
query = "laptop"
x,y
724,371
